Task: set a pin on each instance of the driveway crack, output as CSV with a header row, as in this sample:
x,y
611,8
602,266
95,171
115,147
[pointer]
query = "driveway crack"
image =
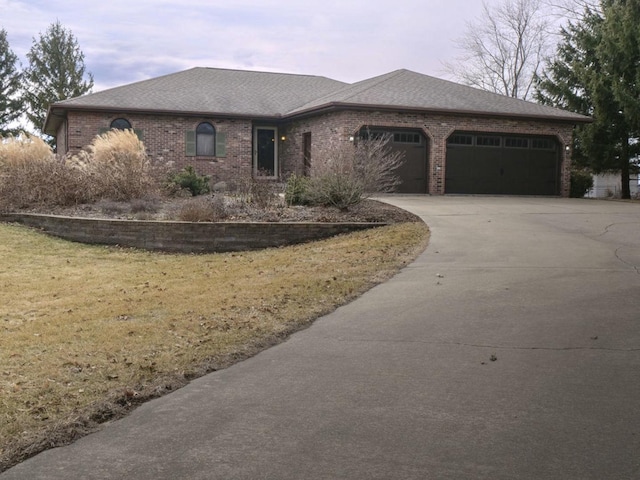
x,y
622,260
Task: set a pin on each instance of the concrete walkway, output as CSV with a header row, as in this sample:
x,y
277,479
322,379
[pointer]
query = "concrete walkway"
x,y
509,350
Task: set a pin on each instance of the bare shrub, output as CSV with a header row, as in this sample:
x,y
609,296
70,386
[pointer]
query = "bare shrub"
x,y
116,166
203,209
109,207
253,191
145,205
345,173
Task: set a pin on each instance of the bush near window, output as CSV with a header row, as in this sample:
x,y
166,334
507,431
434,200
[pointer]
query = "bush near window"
x,y
188,179
117,166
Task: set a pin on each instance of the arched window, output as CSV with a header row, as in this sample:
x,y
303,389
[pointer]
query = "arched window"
x,y
205,140
121,124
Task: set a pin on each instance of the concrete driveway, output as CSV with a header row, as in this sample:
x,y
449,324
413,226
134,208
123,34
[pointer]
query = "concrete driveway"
x,y
509,350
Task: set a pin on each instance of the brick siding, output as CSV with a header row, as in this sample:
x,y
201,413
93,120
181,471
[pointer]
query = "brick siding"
x,y
164,138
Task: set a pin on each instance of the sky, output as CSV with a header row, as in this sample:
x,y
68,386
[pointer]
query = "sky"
x,y
349,40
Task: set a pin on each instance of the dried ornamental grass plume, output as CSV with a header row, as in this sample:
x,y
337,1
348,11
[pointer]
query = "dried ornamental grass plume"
x,y
118,165
30,174
23,150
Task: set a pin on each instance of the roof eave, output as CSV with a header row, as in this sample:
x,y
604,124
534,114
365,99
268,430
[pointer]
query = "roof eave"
x,y
57,112
332,106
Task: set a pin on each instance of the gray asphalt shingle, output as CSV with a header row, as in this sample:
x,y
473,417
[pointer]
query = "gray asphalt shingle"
x,y
262,94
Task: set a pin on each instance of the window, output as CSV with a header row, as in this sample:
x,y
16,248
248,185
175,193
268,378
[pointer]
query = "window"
x,y
516,142
306,152
407,137
120,124
205,140
488,141
460,140
542,144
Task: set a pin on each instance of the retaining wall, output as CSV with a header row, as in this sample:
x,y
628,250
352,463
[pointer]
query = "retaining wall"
x,y
183,237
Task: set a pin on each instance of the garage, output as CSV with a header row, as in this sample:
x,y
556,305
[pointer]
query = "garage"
x,y
481,163
413,145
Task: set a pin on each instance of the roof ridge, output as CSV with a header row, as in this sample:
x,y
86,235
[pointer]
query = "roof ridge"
x,y
374,83
240,70
352,86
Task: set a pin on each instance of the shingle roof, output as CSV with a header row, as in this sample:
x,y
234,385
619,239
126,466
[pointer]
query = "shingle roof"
x,y
404,89
214,91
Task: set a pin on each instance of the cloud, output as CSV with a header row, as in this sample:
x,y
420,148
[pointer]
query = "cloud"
x,y
125,41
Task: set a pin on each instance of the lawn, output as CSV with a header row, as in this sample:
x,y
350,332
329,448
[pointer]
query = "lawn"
x,y
88,332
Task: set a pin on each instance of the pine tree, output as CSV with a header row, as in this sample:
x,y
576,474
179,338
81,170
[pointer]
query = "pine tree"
x,y
592,74
620,54
10,84
56,72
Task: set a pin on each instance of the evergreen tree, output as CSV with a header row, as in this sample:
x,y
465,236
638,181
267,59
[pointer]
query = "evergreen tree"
x,y
592,74
56,72
10,84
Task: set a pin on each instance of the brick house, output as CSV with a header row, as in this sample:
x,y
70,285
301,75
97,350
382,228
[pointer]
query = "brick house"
x,y
225,123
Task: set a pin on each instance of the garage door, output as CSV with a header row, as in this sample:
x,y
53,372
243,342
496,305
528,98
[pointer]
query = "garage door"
x,y
502,164
413,171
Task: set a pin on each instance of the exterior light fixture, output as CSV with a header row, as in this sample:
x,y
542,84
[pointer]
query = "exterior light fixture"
x,y
283,138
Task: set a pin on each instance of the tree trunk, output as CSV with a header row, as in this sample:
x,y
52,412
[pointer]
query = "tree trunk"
x,y
624,169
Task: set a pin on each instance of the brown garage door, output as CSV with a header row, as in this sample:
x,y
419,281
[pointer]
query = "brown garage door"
x,y
502,164
413,171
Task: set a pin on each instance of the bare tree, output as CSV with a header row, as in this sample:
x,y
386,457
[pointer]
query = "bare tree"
x,y
503,51
571,10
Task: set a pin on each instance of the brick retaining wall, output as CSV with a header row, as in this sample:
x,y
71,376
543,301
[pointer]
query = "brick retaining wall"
x,y
183,237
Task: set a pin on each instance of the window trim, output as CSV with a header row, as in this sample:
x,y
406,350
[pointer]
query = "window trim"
x,y
112,125
200,142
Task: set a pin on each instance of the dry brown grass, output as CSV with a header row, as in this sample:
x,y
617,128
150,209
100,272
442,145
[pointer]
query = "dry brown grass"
x,y
23,150
87,332
116,166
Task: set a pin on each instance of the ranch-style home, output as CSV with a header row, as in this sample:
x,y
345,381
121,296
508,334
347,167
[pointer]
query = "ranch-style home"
x,y
228,123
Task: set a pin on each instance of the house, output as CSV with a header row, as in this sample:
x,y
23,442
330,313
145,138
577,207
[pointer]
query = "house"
x,y
610,185
226,123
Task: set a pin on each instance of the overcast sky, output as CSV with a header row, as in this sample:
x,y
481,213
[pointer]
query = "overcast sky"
x,y
349,40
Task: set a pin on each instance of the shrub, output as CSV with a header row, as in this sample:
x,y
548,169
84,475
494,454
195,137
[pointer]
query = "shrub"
x,y
344,173
188,179
116,167
31,175
297,190
145,205
203,209
581,183
252,191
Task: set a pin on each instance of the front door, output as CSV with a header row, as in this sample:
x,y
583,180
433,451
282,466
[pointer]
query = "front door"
x,y
265,151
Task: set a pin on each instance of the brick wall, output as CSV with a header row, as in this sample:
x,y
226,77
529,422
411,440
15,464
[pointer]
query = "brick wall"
x,y
339,126
164,138
183,237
